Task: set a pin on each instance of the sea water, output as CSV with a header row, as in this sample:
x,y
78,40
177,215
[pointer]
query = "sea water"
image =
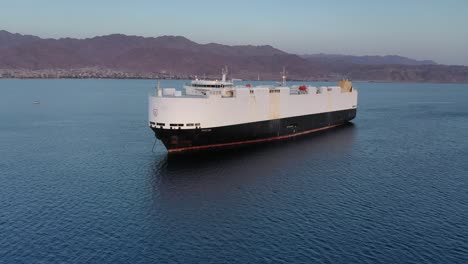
x,y
79,182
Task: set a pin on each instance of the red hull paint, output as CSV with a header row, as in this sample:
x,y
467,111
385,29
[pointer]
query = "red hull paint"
x,y
251,141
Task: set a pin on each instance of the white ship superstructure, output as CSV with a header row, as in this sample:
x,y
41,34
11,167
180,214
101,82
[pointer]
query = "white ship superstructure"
x,y
219,113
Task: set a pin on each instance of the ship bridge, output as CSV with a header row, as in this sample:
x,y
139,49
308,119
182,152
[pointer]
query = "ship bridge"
x,y
201,87
210,84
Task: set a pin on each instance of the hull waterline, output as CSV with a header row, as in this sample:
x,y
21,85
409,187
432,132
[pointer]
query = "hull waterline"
x,y
181,140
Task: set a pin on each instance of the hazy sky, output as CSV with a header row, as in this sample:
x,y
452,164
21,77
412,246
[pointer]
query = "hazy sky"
x,y
421,29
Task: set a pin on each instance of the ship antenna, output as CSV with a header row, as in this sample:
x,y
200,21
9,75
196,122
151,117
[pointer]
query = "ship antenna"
x,y
283,75
224,72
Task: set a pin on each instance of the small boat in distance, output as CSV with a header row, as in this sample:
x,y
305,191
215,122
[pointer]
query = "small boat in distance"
x,y
218,113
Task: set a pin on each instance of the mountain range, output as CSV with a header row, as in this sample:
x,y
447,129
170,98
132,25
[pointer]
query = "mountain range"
x,y
366,60
183,57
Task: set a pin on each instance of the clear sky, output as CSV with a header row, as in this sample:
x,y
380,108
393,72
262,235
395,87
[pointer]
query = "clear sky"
x,y
421,29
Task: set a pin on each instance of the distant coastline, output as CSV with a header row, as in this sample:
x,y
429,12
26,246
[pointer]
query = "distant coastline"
x,y
98,73
155,76
85,73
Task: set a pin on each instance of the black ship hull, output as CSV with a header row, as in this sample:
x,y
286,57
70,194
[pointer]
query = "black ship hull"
x,y
176,140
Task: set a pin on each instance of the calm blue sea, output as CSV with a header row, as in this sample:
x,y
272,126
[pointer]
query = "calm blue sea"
x,y
79,183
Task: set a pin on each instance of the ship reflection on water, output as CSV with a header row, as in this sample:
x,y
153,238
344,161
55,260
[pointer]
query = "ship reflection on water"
x,y
218,170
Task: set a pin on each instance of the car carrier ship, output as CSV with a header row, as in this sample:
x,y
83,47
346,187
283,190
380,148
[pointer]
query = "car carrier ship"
x,y
217,113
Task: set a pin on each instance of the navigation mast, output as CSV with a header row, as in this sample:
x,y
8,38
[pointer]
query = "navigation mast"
x,y
158,89
283,76
224,72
